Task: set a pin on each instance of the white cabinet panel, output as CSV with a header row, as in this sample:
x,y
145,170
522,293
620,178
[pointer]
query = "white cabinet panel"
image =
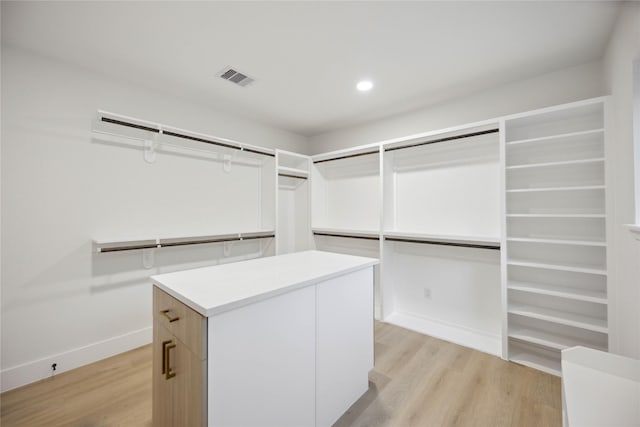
x,y
281,330
345,343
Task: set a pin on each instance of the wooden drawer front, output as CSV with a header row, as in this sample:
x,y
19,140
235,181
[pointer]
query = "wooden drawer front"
x,y
186,324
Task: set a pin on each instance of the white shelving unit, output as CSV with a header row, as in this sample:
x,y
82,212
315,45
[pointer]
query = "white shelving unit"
x,y
442,235
346,204
556,240
223,196
293,202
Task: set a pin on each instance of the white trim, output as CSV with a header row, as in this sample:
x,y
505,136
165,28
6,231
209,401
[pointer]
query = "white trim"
x,y
457,334
36,370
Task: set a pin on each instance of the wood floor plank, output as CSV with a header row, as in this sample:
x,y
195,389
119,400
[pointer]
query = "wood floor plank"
x,y
417,381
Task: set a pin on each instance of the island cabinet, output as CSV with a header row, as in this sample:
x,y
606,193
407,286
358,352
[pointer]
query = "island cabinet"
x,y
179,363
278,341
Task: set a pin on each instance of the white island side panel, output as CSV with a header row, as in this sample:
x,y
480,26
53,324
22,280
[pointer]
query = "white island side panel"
x,y
220,288
262,363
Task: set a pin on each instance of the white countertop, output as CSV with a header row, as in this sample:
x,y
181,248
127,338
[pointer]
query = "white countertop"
x,y
220,288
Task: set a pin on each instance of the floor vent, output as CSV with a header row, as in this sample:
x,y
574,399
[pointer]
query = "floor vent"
x,y
235,76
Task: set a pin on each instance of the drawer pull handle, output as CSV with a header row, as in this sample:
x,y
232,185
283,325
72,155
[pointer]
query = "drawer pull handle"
x,y
168,372
164,356
166,314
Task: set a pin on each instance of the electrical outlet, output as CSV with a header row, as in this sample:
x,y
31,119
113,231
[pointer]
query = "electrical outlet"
x,y
427,293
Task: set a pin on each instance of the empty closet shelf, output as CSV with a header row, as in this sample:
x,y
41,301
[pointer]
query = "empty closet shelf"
x,y
553,341
482,242
536,361
557,241
554,164
560,267
556,215
293,172
543,189
559,291
114,246
563,318
558,136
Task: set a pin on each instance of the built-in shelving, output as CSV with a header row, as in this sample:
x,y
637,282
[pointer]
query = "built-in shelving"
x,y
550,340
555,233
546,364
102,246
441,217
554,138
559,291
293,202
572,216
557,241
563,318
292,172
560,267
547,189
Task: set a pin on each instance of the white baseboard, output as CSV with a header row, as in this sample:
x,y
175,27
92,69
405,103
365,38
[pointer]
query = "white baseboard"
x,y
36,370
473,338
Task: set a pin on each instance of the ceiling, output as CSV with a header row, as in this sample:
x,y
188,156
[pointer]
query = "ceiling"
x,y
307,56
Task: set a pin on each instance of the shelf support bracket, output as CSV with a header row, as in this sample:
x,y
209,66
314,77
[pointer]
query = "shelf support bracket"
x,y
150,147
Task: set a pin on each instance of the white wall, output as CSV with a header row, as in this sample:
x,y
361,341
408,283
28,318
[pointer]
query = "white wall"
x,y
624,310
572,84
63,187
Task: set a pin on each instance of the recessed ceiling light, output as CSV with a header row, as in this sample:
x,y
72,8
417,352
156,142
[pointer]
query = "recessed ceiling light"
x,y
364,85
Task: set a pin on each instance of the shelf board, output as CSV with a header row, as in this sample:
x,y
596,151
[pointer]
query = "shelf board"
x,y
552,164
557,241
293,171
554,341
559,291
558,136
556,216
560,317
545,364
598,271
483,241
546,189
102,246
344,232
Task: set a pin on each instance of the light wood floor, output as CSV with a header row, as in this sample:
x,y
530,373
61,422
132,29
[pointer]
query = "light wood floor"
x,y
417,381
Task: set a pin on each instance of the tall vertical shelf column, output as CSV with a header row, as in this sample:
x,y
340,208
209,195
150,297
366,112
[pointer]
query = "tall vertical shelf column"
x,y
556,240
293,228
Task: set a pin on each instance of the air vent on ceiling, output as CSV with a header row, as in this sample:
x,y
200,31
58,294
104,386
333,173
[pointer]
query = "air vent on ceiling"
x,y
235,76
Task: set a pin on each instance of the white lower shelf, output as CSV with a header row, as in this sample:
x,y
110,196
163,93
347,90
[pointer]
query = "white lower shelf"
x,y
557,241
552,189
560,317
553,341
545,364
561,267
553,215
559,291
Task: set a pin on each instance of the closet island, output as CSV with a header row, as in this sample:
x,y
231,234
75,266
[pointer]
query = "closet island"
x,y
284,340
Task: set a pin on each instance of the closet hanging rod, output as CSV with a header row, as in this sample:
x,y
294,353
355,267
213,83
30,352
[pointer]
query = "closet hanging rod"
x,y
292,176
349,236
182,135
347,156
445,139
164,243
436,242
